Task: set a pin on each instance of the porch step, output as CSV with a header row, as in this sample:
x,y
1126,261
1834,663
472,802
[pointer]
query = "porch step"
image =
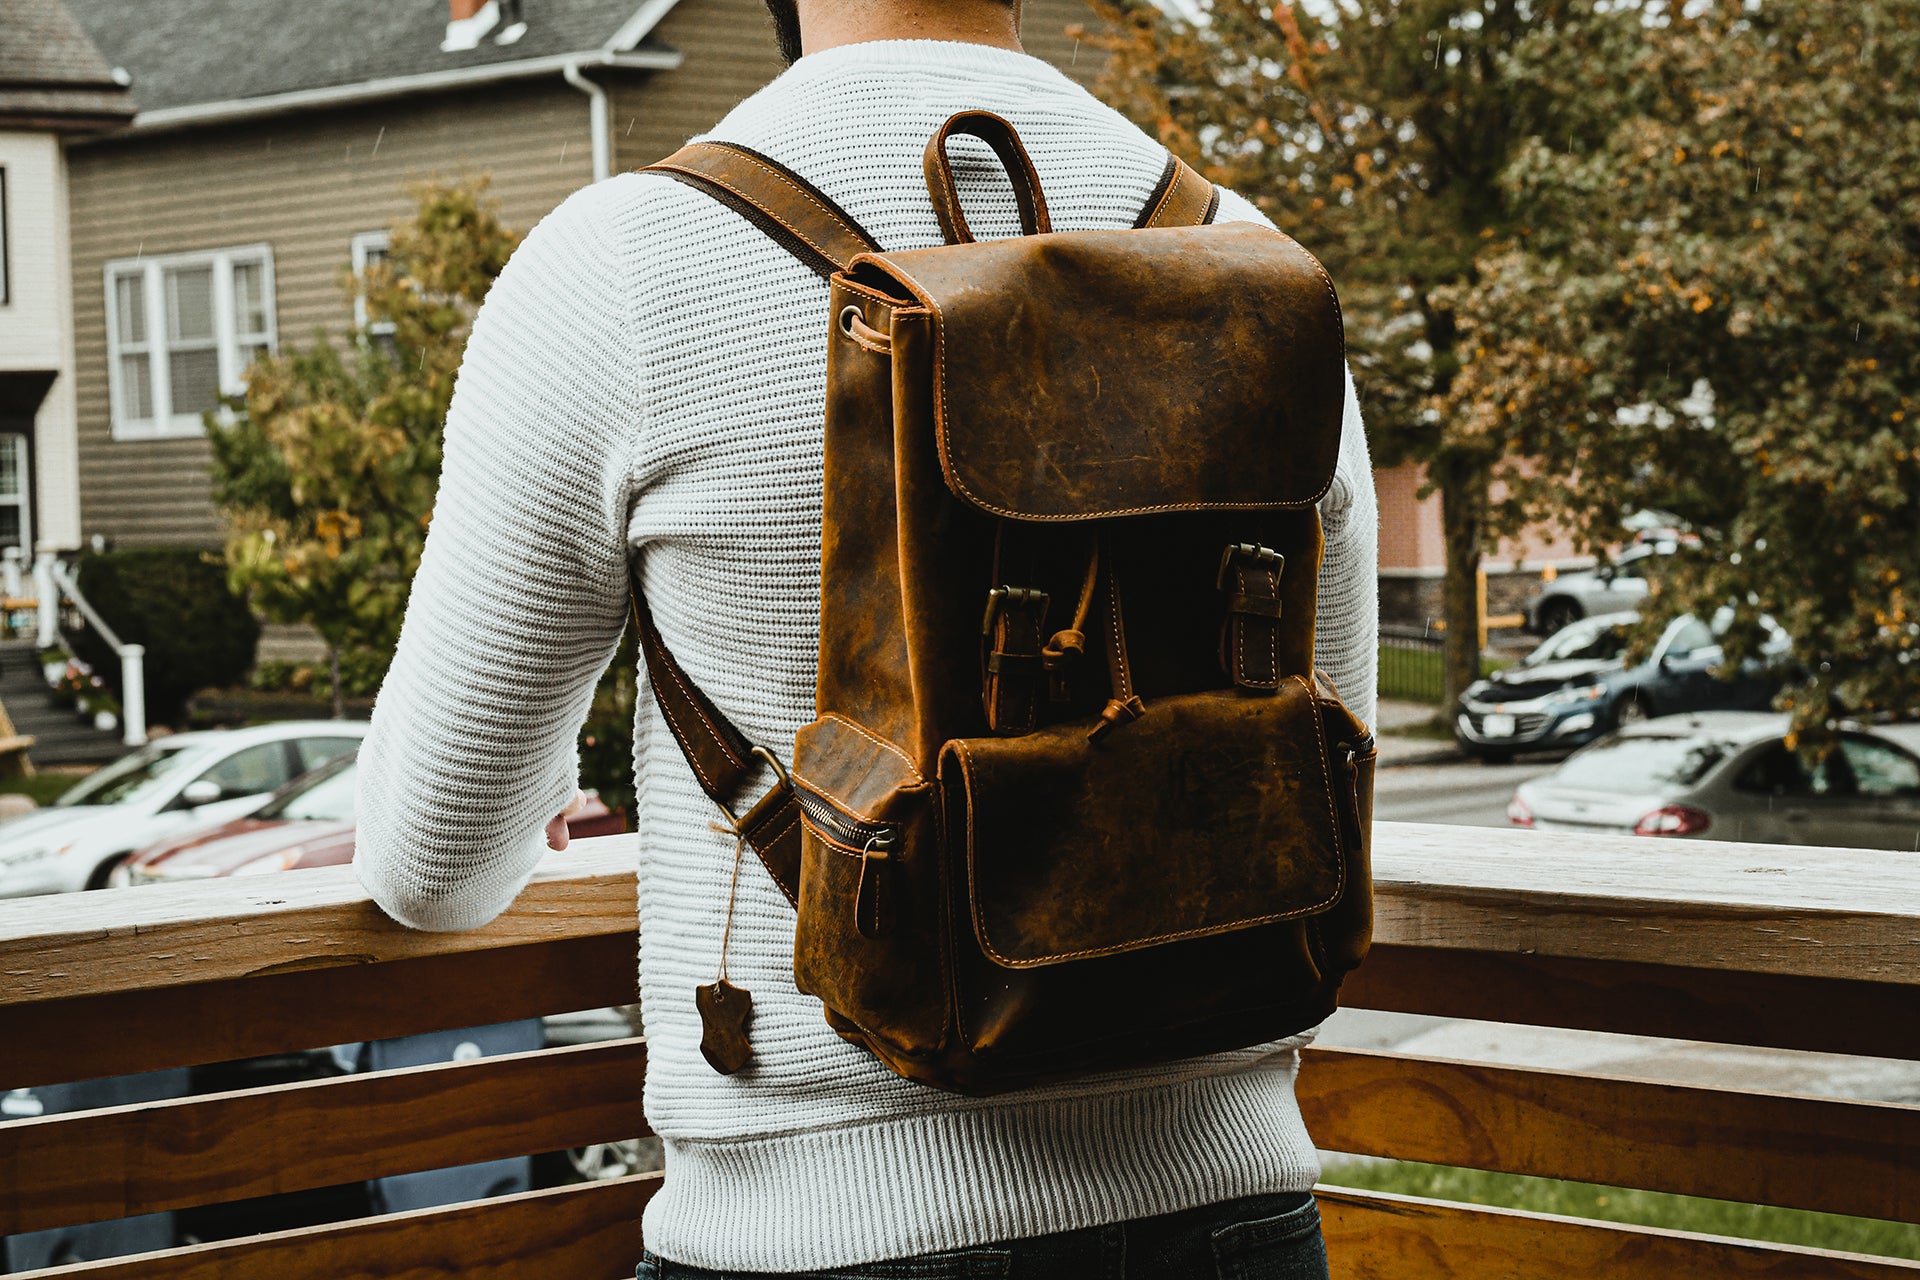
x,y
60,736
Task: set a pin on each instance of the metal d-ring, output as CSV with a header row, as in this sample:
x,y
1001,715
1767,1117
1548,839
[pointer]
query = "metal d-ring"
x,y
848,314
779,771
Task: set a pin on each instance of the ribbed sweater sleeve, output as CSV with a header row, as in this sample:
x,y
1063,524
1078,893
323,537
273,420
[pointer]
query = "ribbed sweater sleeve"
x,y
520,595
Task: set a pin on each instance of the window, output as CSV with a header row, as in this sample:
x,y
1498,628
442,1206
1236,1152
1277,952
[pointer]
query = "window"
x,y
369,250
15,502
181,331
6,279
1880,770
250,771
1689,636
315,752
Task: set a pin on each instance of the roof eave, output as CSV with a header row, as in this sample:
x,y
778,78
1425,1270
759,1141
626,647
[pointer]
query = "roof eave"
x,y
166,119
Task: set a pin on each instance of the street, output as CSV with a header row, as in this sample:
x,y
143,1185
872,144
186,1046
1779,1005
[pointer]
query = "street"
x,y
1464,793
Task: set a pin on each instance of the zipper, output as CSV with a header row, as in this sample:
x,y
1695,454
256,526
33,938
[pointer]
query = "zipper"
x,y
875,841
853,834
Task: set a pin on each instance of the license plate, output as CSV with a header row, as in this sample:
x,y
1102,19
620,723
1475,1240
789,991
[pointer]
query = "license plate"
x,y
1497,726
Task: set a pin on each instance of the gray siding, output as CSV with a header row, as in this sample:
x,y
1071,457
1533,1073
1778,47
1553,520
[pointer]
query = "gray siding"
x,y
305,184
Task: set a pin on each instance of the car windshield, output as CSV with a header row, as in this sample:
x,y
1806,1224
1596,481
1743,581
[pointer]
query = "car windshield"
x,y
325,795
1582,641
1641,763
130,775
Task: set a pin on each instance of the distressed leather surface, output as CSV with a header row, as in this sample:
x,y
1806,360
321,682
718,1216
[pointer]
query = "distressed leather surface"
x,y
1101,373
1197,880
1214,813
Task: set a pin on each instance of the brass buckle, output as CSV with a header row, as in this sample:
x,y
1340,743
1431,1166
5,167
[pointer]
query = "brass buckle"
x,y
1001,598
779,771
1248,551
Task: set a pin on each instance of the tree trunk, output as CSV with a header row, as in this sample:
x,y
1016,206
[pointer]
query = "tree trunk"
x,y
333,675
1463,513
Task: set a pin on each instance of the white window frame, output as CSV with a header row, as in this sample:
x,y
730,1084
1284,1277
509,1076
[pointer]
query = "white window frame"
x,y
365,242
6,274
24,499
166,424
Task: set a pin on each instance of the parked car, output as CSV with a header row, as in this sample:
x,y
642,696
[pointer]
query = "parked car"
x,y
187,781
1577,685
307,823
1731,775
1617,586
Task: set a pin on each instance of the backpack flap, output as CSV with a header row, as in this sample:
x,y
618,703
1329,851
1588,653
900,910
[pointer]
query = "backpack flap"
x,y
1212,815
1110,373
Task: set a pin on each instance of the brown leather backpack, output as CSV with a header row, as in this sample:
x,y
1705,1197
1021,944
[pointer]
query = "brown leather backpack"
x,y
1075,798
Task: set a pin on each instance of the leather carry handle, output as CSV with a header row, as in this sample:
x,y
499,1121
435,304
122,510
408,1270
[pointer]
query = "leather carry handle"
x,y
1000,135
804,219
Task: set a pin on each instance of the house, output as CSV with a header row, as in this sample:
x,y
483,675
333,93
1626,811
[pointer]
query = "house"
x,y
56,89
273,146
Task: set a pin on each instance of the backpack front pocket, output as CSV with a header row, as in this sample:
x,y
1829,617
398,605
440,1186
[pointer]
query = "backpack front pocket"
x,y
1120,884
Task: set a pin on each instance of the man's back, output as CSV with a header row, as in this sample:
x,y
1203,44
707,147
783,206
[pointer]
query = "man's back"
x,y
647,382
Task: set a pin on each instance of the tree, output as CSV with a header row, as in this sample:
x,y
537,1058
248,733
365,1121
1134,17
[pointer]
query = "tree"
x,y
326,466
1376,133
1714,309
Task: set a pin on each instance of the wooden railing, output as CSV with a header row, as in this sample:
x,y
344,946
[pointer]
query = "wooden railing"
x,y
1743,944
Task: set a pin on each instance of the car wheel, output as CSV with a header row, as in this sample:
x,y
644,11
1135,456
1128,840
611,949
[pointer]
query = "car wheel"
x,y
1558,614
601,1160
1634,711
103,874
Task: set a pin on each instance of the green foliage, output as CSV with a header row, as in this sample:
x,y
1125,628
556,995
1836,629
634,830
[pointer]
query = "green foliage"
x,y
1375,132
176,601
606,742
328,466
1615,1204
1710,304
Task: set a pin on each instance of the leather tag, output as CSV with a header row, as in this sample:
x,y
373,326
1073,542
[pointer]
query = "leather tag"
x,y
725,1011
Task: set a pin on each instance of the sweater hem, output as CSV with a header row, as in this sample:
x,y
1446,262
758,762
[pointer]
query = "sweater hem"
x,y
904,1186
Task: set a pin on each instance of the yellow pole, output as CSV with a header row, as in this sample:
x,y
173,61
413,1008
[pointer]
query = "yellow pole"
x,y
1480,605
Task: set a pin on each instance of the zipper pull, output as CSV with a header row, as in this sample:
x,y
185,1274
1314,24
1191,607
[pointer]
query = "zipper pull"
x,y
866,902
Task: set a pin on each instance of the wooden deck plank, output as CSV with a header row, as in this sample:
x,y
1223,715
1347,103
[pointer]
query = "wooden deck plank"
x,y
152,937
1809,912
1378,1236
1826,1015
119,1161
128,1031
1824,1154
586,1232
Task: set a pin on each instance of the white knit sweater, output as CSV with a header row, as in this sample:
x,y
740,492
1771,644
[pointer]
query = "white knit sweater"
x,y
645,385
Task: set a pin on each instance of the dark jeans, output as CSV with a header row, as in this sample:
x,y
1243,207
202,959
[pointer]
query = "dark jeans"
x,y
1273,1237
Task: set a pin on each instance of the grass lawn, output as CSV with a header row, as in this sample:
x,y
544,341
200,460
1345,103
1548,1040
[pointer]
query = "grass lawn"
x,y
1643,1208
1417,674
43,787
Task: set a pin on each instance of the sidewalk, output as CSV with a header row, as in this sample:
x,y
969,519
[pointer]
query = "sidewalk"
x,y
1400,747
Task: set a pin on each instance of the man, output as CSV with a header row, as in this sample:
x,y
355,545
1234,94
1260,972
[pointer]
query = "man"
x,y
645,386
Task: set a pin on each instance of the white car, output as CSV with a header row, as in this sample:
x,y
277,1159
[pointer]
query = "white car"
x,y
170,786
1730,775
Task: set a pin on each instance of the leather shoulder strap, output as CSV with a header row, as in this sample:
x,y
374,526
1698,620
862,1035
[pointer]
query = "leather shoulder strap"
x,y
797,214
722,759
1182,198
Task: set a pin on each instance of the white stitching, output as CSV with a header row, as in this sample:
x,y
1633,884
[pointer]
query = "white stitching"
x,y
877,741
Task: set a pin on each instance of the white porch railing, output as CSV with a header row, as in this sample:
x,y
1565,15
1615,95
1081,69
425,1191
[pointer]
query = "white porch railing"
x,y
51,580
